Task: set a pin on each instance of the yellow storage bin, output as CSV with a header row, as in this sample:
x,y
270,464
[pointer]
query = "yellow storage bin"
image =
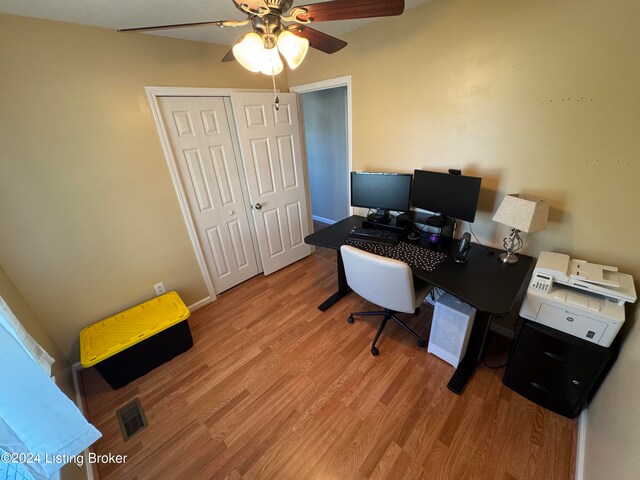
x,y
136,340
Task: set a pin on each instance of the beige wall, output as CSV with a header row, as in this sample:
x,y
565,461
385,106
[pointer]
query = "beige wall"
x,y
613,423
88,214
536,97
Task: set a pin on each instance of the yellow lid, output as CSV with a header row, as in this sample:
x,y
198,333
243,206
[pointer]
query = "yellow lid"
x,y
112,335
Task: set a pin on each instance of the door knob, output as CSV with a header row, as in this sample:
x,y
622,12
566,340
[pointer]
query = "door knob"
x,y
231,212
258,206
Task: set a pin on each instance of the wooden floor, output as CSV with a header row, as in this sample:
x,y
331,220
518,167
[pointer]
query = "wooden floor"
x,y
275,389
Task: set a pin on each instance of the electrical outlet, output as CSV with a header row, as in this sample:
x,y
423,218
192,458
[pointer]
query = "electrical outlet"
x,y
159,288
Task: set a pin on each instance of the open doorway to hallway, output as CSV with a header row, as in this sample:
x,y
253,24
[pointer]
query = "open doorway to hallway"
x,y
326,115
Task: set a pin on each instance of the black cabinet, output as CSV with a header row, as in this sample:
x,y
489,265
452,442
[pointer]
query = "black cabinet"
x,y
555,370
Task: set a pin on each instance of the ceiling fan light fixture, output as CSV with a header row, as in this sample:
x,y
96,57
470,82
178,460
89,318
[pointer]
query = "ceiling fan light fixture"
x,y
271,62
250,52
269,20
293,48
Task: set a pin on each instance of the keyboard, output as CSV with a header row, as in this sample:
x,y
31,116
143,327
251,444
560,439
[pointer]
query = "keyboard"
x,y
373,235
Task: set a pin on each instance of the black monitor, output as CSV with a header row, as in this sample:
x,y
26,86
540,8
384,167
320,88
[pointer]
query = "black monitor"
x,y
381,191
446,195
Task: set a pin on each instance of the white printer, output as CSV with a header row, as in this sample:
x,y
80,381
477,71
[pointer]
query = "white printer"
x,y
579,298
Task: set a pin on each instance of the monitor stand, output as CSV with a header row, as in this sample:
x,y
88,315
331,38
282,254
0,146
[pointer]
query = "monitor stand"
x,y
439,221
381,216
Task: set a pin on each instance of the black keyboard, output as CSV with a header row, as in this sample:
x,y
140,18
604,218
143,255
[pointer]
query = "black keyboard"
x,y
374,235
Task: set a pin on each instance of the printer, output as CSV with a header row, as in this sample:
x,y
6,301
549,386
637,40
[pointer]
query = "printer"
x,y
582,299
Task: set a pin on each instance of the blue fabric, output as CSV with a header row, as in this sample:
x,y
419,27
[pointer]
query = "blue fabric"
x,y
35,416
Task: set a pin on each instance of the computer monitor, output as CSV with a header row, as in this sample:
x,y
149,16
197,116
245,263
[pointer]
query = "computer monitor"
x,y
446,195
382,192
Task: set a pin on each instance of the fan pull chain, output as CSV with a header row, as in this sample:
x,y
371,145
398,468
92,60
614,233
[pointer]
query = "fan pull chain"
x,y
276,100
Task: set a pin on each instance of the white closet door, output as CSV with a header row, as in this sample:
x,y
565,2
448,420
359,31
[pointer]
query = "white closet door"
x,y
272,153
200,138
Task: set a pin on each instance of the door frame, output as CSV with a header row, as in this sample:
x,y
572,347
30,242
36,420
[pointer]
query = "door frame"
x,y
152,96
344,81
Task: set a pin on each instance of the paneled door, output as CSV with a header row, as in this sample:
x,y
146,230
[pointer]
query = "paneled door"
x,y
198,131
272,153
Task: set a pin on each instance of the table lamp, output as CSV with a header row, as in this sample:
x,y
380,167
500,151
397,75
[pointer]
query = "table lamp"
x,y
522,214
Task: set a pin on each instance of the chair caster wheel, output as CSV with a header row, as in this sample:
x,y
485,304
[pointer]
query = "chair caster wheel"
x,y
417,311
374,351
421,343
350,319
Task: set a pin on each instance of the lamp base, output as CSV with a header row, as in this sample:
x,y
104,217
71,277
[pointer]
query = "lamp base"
x,y
509,258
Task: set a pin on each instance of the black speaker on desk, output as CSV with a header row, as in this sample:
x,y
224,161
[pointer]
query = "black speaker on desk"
x,y
555,370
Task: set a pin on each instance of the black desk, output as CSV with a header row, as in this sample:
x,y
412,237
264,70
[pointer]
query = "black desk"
x,y
486,283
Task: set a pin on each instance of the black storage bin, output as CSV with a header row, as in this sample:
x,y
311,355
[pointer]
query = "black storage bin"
x,y
141,358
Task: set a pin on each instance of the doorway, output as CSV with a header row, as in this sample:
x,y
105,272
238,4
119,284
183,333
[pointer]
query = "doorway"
x,y
326,112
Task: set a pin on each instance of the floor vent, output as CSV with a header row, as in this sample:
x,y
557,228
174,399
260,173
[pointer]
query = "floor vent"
x,y
131,419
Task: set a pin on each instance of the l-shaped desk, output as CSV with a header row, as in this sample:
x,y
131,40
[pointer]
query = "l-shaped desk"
x,y
486,283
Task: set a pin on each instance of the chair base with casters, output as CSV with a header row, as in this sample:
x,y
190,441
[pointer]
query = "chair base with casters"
x,y
388,314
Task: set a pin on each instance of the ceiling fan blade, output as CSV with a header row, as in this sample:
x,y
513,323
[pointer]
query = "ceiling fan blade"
x,y
229,57
166,27
351,9
317,39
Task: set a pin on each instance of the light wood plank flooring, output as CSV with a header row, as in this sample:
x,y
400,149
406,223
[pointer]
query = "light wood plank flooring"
x,y
275,389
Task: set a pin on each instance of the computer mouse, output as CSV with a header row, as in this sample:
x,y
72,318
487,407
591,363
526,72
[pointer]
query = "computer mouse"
x,y
413,236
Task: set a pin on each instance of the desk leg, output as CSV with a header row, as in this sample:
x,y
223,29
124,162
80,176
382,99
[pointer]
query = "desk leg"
x,y
474,351
343,288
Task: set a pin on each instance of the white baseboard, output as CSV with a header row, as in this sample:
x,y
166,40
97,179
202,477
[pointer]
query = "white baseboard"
x,y
199,304
581,444
75,368
323,220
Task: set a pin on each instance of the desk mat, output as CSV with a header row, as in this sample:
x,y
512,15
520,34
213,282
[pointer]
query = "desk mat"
x,y
412,255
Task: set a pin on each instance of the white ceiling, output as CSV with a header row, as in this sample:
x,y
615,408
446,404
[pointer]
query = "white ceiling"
x,y
142,13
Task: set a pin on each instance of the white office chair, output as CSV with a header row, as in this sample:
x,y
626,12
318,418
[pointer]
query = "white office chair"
x,y
386,282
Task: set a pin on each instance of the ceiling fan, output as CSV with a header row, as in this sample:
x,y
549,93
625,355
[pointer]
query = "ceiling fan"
x,y
260,49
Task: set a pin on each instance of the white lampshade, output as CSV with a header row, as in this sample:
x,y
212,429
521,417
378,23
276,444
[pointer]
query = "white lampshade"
x,y
293,48
271,63
522,213
250,52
